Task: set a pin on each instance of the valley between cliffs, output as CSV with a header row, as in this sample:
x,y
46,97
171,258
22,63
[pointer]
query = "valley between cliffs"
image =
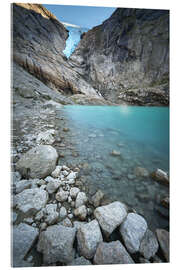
x,y
58,217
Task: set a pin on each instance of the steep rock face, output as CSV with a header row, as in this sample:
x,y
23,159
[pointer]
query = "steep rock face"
x,y
127,57
38,44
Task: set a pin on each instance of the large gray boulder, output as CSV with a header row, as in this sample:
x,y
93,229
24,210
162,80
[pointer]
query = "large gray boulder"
x,y
110,216
30,201
163,239
88,237
56,244
38,162
149,245
24,237
112,253
132,230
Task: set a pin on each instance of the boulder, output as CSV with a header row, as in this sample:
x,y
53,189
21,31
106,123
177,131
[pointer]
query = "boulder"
x,y
110,216
38,162
46,137
163,239
81,199
53,185
30,201
80,261
52,215
133,230
149,245
96,199
21,185
112,253
160,176
24,236
88,237
81,212
56,244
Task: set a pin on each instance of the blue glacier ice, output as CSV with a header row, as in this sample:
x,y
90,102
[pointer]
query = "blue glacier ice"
x,y
75,33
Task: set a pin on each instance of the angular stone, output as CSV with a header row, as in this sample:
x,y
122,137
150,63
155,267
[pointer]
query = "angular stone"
x,y
74,192
24,237
21,185
149,245
63,212
133,230
38,162
56,173
66,222
160,176
81,199
112,253
110,216
80,261
88,237
163,239
56,244
81,212
46,137
53,185
142,172
30,201
52,215
62,195
72,175
96,199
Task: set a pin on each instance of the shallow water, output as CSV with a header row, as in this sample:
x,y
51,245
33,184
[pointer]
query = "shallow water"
x,y
141,136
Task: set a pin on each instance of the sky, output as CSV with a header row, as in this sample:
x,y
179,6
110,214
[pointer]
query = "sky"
x,y
81,15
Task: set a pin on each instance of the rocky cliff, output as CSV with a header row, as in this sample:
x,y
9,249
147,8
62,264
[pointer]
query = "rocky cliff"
x,y
127,57
38,43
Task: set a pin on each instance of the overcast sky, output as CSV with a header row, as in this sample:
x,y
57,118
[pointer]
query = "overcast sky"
x,y
81,15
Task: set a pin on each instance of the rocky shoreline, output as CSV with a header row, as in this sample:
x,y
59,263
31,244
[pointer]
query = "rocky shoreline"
x,y
55,220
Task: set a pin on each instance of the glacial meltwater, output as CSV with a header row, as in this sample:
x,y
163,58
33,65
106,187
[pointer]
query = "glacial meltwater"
x,y
113,141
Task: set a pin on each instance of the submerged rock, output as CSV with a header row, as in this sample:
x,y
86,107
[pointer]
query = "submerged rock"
x,y
142,172
133,230
24,236
110,216
56,244
88,237
112,253
38,162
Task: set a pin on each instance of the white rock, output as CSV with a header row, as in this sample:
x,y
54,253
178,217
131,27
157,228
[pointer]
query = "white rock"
x,y
46,137
74,192
63,212
72,175
56,172
21,185
132,230
110,216
65,168
65,173
30,201
52,215
69,199
53,185
81,199
88,237
62,195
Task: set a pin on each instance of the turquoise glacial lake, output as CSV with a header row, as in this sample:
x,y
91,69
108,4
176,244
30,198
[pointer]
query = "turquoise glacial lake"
x,y
140,136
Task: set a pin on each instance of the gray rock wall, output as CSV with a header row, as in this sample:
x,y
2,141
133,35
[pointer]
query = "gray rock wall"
x,y
129,51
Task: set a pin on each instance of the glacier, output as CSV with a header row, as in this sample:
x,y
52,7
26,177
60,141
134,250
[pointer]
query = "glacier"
x,y
72,41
